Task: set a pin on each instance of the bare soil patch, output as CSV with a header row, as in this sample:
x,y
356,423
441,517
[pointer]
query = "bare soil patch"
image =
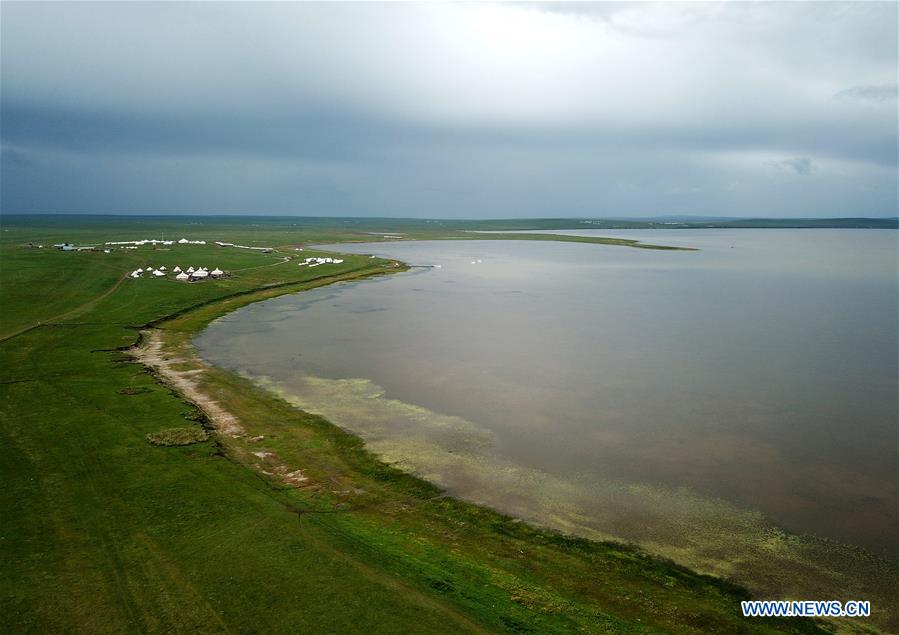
x,y
185,382
182,374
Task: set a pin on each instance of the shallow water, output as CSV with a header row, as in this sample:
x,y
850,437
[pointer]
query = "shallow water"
x,y
688,401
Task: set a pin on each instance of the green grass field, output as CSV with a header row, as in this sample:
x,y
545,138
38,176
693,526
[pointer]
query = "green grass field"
x,y
106,531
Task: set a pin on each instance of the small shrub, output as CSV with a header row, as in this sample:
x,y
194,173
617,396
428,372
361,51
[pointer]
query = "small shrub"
x,y
178,436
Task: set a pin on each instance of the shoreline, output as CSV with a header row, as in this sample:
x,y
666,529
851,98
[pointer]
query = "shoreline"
x,y
166,348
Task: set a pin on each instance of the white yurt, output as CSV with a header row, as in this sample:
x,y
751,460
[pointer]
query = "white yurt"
x,y
182,276
215,273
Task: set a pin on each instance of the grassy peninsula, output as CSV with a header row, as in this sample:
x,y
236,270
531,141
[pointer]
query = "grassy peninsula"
x,y
128,507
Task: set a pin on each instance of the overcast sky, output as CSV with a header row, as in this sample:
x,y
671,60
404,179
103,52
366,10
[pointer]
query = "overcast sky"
x,y
450,110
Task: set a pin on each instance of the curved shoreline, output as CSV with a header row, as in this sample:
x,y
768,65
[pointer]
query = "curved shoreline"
x,y
183,370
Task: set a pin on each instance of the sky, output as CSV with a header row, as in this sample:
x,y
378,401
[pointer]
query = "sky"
x,y
450,110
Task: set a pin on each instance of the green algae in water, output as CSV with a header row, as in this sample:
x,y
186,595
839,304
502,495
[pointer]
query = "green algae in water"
x,y
708,535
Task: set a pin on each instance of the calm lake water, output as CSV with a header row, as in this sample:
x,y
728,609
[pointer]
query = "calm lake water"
x,y
693,402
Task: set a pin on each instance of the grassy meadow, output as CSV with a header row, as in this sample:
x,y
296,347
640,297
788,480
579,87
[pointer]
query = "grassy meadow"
x,y
123,511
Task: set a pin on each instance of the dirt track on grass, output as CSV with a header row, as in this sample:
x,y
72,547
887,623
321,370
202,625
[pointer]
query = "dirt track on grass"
x,y
151,353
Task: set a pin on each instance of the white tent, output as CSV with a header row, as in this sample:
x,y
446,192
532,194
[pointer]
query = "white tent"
x,y
162,268
190,270
177,269
216,272
200,274
158,273
182,276
183,241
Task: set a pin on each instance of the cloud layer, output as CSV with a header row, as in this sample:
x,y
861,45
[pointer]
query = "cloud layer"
x,y
450,110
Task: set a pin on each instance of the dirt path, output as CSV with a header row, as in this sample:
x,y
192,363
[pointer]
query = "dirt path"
x,y
151,353
186,382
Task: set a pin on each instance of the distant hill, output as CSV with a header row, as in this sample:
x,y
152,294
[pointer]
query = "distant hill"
x,y
170,222
848,223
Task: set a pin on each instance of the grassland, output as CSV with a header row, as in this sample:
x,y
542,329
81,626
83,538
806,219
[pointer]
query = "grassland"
x,y
105,531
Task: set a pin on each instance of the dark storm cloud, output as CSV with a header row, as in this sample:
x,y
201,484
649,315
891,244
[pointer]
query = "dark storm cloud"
x,y
449,110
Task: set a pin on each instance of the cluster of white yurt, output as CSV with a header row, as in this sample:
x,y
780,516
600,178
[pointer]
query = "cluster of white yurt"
x,y
122,243
150,271
317,262
189,274
131,244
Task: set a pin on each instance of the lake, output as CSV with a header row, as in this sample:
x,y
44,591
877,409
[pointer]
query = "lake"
x,y
732,407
